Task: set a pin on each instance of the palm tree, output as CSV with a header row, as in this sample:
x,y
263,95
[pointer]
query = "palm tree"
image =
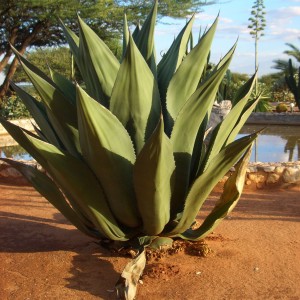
x,y
281,64
294,52
291,71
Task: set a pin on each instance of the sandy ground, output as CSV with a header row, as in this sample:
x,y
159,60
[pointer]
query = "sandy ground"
x,y
255,254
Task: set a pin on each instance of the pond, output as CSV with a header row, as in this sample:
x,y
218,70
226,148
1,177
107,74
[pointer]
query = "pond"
x,y
277,143
15,152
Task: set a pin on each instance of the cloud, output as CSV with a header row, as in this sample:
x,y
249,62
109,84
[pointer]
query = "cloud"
x,y
208,17
285,13
280,23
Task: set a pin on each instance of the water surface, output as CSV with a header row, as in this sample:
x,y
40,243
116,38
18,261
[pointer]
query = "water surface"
x,y
277,143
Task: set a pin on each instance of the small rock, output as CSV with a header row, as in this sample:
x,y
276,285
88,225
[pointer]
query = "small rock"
x,y
248,182
257,178
273,178
260,185
291,175
198,273
256,269
269,169
279,170
10,172
252,169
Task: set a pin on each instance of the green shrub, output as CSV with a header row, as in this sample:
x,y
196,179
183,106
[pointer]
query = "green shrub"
x,y
13,108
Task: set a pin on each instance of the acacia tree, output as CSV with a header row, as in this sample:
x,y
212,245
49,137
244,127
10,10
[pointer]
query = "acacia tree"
x,y
257,26
30,23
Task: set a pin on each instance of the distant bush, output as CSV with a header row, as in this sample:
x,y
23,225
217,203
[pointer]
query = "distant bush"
x,y
281,107
13,108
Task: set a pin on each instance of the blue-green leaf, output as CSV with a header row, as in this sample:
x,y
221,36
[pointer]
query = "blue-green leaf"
x,y
135,97
145,38
231,194
101,66
61,112
204,184
47,188
185,80
109,152
191,117
75,179
38,112
153,182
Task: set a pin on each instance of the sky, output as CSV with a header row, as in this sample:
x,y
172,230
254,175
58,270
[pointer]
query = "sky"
x,y
282,26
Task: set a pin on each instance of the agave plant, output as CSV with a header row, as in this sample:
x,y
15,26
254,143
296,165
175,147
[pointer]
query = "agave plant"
x,y
127,157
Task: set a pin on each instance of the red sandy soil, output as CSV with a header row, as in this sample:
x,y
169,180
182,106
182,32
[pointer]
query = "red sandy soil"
x,y
255,254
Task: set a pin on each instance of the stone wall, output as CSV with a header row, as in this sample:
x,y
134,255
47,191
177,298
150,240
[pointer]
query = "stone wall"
x,y
259,175
264,175
273,118
6,139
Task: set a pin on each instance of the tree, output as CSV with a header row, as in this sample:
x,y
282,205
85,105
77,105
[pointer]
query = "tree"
x,y
257,26
290,72
283,64
30,23
294,52
58,59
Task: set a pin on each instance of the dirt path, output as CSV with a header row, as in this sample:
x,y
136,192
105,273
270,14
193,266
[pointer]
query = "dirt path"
x,y
255,254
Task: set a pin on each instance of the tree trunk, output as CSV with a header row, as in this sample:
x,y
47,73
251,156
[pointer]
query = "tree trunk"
x,y
5,86
28,40
5,60
8,54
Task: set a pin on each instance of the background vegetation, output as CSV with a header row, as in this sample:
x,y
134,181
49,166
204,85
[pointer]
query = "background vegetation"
x,y
33,28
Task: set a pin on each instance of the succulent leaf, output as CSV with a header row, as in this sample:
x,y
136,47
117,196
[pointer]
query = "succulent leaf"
x,y
66,86
144,39
135,98
244,90
46,187
170,62
226,131
74,176
101,66
204,184
125,35
61,112
73,41
136,31
190,118
109,152
38,112
153,172
186,79
232,191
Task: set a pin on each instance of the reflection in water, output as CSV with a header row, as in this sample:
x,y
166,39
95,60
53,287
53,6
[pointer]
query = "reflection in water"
x,y
277,143
291,144
14,152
